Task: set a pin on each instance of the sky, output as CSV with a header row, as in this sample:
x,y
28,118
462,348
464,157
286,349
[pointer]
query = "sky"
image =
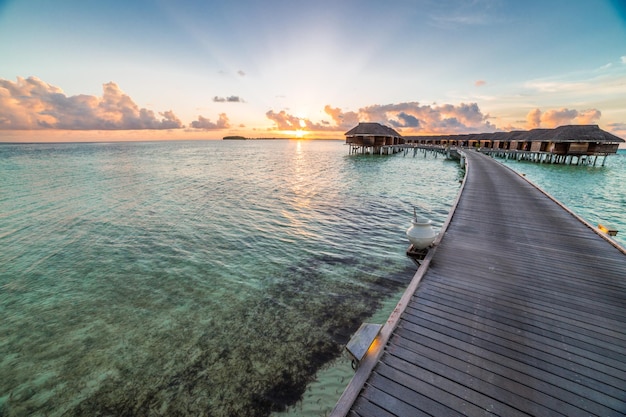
x,y
81,70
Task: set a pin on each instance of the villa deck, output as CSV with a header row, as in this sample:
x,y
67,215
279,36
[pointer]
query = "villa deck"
x,y
519,310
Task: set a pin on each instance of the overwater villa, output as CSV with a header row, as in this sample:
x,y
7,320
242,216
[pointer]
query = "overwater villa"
x,y
373,138
573,144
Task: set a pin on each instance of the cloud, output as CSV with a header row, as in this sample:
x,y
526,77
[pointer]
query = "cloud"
x,y
623,59
533,119
241,73
617,127
340,121
560,117
556,86
405,120
411,117
230,99
343,120
30,103
480,83
452,14
283,120
416,118
588,117
206,124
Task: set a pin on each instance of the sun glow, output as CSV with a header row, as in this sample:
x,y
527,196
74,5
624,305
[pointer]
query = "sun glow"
x,y
298,133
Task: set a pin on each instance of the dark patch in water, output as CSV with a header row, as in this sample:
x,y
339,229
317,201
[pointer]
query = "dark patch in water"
x,y
266,362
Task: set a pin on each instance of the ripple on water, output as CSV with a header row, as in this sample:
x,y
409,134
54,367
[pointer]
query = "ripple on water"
x,y
195,278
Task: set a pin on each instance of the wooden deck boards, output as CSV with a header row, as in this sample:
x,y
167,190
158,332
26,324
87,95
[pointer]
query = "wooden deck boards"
x,y
522,311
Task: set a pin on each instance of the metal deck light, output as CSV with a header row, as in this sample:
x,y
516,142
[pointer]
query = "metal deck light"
x,y
362,341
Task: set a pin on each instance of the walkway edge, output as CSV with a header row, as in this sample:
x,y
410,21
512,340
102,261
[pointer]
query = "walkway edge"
x,y
350,394
564,207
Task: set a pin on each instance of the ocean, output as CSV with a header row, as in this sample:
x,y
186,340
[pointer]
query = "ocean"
x,y
215,278
198,278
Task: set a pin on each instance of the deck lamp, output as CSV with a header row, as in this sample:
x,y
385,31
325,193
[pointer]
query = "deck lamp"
x,y
362,341
609,230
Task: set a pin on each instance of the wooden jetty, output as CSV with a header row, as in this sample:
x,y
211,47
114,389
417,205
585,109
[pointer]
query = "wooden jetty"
x,y
572,144
519,309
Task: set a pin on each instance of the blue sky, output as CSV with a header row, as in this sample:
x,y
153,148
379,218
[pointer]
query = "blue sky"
x,y
191,69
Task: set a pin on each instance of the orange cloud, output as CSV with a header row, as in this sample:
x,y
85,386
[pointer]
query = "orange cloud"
x,y
206,124
410,116
415,118
533,119
560,117
289,122
283,120
30,103
588,117
343,120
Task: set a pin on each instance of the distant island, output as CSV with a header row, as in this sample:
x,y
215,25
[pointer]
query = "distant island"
x,y
234,138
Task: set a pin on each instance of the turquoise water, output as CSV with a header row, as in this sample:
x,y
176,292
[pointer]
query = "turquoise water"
x,y
198,278
597,194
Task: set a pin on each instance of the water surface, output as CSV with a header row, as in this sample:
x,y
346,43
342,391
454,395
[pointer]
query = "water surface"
x,y
197,278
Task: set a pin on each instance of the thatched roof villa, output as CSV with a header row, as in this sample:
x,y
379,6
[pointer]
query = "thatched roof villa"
x,y
565,144
563,140
373,138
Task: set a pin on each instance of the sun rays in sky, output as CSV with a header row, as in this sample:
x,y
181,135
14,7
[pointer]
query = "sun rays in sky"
x,y
159,69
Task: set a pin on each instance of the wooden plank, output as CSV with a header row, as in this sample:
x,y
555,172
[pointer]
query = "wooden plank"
x,y
484,381
389,403
449,393
394,386
365,408
531,364
530,328
500,305
521,310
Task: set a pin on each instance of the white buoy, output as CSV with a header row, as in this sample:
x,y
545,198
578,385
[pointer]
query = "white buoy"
x,y
421,234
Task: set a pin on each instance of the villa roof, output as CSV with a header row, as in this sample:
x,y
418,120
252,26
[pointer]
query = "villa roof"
x,y
372,129
569,133
573,133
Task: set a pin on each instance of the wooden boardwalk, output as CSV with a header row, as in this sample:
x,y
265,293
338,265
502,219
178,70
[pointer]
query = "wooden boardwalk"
x,y
520,310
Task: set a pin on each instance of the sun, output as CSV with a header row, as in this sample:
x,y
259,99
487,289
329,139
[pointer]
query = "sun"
x,y
300,133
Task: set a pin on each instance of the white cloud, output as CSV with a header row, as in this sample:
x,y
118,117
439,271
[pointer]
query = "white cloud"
x,y
229,99
555,86
33,104
617,127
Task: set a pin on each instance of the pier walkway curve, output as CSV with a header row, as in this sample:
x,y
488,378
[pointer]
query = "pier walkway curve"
x,y
519,310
